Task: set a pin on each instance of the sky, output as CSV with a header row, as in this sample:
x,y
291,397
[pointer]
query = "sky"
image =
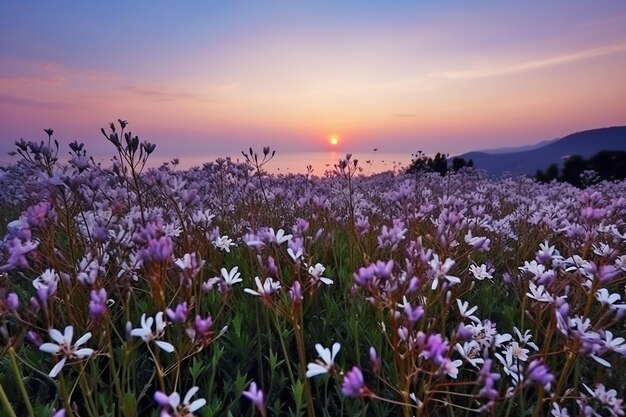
x,y
210,77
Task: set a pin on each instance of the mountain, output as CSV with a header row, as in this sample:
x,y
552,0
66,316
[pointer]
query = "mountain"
x,y
513,149
586,143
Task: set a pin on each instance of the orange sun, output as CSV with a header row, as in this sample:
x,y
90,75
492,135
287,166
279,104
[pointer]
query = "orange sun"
x,y
333,139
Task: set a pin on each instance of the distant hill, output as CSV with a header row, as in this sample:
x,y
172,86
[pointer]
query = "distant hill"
x,y
513,149
527,162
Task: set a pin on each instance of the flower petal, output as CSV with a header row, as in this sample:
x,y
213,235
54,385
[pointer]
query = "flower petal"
x,y
50,348
167,347
57,368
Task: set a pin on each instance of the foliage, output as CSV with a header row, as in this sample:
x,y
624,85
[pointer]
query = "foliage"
x,y
578,171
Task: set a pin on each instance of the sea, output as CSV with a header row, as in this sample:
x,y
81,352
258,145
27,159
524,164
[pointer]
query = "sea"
x,y
368,163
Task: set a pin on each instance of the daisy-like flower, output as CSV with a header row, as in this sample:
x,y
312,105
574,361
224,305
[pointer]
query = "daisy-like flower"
x,y
480,272
147,335
265,289
465,313
451,368
63,347
440,270
539,293
326,363
172,407
317,271
279,236
224,243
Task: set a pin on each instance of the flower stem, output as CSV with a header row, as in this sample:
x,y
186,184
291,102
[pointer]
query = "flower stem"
x,y
20,382
6,403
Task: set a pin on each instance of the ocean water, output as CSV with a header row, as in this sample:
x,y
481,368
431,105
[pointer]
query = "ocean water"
x,y
297,162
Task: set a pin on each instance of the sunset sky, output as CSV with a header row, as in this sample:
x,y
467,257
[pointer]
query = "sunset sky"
x,y
219,76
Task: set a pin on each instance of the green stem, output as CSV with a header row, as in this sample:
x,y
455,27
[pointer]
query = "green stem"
x,y
6,403
20,382
284,349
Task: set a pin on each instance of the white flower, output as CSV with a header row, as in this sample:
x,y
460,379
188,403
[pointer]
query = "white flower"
x,y
480,272
470,352
327,360
146,334
172,402
264,289
439,270
47,279
557,411
605,297
317,271
232,277
279,236
224,243
295,255
465,313
539,293
63,347
451,367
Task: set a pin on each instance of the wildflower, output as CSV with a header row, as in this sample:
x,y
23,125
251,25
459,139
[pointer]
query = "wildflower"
x,y
146,334
374,360
412,314
265,289
190,262
465,313
279,236
353,384
295,293
257,397
480,272
295,255
440,270
224,243
180,314
327,360
317,271
63,347
97,303
538,373
539,293
451,368
470,351
159,249
480,244
171,406
12,301
436,348
558,411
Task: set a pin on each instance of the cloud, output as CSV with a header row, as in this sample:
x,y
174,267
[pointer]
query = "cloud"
x,y
9,80
495,70
161,94
29,102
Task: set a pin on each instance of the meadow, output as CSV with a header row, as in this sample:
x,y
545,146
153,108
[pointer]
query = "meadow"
x,y
226,291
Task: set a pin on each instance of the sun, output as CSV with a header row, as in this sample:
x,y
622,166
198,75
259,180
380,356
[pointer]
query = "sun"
x,y
333,139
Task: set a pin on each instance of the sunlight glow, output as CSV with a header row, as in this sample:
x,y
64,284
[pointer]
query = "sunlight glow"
x,y
333,139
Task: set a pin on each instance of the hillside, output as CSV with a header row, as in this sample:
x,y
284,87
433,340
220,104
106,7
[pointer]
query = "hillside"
x,y
586,143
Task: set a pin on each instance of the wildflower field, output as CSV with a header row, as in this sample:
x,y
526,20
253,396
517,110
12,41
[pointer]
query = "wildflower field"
x,y
225,291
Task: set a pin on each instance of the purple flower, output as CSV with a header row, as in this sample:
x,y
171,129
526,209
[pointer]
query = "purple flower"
x,y
539,373
256,396
180,314
97,303
160,249
295,293
353,384
436,349
13,302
